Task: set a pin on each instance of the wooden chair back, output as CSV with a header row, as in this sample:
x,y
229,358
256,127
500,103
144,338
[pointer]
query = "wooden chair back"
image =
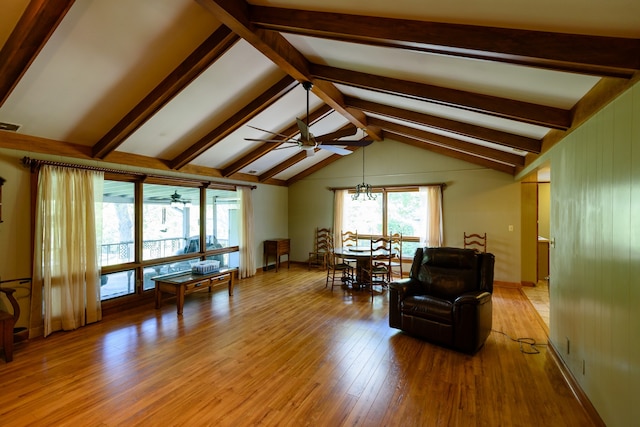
x,y
349,238
379,268
395,241
318,257
475,241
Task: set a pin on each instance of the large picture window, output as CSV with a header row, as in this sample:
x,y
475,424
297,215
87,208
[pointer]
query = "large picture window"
x,y
414,212
175,232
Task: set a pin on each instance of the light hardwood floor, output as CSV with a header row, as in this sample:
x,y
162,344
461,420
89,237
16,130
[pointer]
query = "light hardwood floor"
x,y
538,295
284,350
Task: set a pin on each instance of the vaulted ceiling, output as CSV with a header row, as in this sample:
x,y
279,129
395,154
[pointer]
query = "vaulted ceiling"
x,y
186,85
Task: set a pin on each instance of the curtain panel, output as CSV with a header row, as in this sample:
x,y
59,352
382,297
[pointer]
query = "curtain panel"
x,y
247,256
338,208
66,271
433,235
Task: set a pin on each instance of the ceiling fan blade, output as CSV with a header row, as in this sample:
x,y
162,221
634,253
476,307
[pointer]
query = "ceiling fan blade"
x,y
269,140
268,131
334,149
340,133
350,143
284,148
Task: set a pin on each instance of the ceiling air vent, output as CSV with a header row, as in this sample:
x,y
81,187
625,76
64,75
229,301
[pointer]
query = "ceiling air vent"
x,y
9,126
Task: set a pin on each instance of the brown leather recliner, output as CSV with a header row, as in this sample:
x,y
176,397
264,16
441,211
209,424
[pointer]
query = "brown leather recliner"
x,y
447,298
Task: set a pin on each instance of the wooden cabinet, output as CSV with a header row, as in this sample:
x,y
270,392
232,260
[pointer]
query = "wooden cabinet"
x,y
276,248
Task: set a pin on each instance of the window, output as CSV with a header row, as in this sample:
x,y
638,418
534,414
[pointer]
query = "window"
x,y
412,211
117,221
222,225
170,221
172,227
117,238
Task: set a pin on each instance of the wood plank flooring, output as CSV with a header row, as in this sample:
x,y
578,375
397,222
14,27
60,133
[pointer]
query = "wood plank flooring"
x,y
286,351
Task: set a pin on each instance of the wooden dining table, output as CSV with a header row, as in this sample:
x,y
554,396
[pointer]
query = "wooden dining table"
x,y
361,254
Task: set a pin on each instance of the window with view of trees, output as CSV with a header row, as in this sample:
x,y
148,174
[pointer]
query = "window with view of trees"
x,y
405,210
173,226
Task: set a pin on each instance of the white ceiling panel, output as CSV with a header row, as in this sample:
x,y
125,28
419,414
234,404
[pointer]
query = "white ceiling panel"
x,y
205,104
545,87
104,57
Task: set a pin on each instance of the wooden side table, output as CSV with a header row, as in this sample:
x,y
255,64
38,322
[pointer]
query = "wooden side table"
x,y
276,248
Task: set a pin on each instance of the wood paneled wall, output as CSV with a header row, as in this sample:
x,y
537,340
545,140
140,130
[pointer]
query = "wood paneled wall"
x,y
595,265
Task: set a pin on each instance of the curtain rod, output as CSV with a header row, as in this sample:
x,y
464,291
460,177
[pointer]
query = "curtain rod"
x,y
35,163
384,187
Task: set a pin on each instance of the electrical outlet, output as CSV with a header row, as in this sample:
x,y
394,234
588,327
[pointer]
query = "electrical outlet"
x,y
511,228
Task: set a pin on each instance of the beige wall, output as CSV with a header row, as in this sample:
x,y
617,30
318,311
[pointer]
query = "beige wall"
x,y
476,199
15,231
595,265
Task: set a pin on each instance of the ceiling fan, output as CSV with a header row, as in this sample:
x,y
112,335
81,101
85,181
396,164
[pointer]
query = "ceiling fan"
x,y
308,142
178,201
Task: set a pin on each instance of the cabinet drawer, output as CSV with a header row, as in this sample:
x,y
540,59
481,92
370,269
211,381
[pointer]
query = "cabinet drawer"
x,y
221,278
197,285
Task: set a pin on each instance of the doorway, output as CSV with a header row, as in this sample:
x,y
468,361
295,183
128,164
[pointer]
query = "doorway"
x,y
536,209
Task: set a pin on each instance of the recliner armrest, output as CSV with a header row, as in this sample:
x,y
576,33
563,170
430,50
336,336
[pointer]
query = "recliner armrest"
x,y
475,297
401,287
398,291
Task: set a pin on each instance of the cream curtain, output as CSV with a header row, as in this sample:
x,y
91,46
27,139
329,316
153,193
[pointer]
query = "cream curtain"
x,y
66,276
338,208
247,253
432,236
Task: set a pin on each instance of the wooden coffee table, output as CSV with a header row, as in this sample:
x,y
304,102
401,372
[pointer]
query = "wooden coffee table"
x,y
184,283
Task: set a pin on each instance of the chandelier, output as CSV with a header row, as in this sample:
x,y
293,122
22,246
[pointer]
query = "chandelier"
x,y
363,188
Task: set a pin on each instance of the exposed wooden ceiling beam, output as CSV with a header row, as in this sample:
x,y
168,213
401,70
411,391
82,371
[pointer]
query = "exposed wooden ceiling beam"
x,y
206,54
526,112
298,157
259,104
234,14
467,129
445,141
305,173
491,164
290,131
597,55
37,23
